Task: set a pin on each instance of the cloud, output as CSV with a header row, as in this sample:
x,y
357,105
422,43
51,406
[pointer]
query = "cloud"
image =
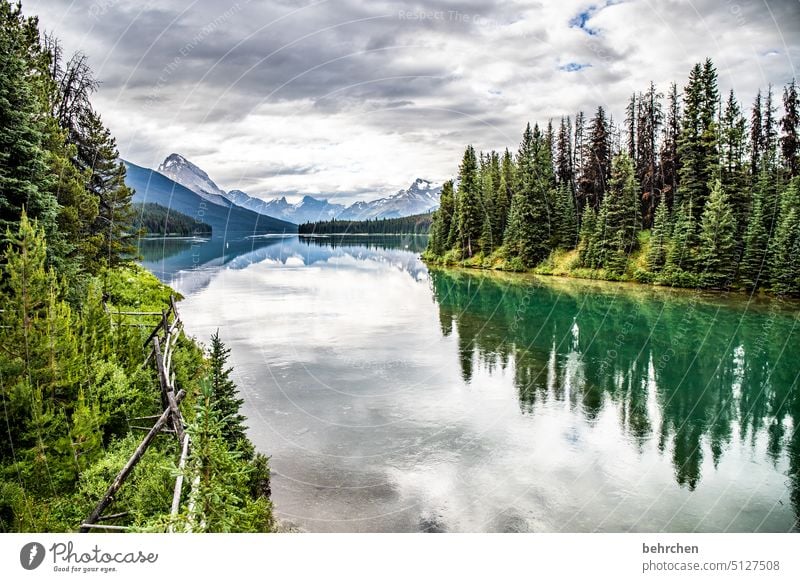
x,y
349,98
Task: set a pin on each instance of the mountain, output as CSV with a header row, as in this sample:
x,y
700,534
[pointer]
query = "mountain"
x,y
184,172
309,209
421,197
224,218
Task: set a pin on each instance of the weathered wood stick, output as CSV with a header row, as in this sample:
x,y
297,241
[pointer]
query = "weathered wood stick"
x,y
168,394
113,516
108,498
176,494
100,526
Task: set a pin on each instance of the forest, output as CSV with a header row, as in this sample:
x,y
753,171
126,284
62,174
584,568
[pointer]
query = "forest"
x,y
71,365
415,224
155,219
688,192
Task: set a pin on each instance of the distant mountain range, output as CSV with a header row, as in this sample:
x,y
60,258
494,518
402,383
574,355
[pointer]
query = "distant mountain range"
x,y
223,216
422,196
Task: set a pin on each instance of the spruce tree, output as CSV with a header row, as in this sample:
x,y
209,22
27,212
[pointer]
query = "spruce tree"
x,y
733,171
225,396
790,129
717,253
753,268
756,137
670,162
530,228
439,243
680,250
469,213
113,227
698,140
619,219
566,232
586,245
596,170
659,239
25,180
785,246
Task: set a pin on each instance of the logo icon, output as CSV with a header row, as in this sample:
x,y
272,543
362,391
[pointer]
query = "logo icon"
x,y
31,555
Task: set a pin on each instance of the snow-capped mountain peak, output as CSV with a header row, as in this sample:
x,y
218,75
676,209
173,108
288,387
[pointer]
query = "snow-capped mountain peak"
x,y
178,168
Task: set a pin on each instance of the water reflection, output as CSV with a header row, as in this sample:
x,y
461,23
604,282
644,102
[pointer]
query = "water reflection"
x,y
676,367
391,398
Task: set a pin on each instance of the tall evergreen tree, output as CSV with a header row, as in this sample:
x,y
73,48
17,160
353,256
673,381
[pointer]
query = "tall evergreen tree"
x,y
756,136
718,240
790,129
529,229
25,180
733,151
469,213
439,243
596,169
698,140
113,228
563,165
566,231
659,239
225,398
785,246
619,219
755,250
670,162
651,118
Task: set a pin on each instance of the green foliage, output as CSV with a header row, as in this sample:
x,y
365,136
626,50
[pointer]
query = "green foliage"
x,y
785,246
155,219
415,224
718,240
469,211
225,396
659,238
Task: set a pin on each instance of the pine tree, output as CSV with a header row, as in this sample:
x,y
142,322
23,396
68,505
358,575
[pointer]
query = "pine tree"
x,y
563,165
619,218
566,231
586,245
596,170
651,118
680,251
25,181
790,128
698,140
756,137
530,228
753,269
733,171
489,231
113,228
469,214
670,162
439,243
785,247
505,191
718,240
659,239
225,396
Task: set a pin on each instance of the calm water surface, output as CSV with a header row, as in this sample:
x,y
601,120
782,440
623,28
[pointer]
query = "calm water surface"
x,y
397,398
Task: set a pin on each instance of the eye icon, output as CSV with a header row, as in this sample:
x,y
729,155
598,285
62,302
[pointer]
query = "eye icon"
x,y
31,555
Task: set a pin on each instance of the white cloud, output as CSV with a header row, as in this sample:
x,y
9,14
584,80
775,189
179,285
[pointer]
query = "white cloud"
x,y
356,100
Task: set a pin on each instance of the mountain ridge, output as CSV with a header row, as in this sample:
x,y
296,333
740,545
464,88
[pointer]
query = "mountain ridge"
x,y
422,196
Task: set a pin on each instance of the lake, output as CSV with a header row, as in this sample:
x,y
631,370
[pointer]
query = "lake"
x,y
393,397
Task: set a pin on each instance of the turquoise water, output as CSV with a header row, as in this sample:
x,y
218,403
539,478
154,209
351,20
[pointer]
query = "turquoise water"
x,y
397,398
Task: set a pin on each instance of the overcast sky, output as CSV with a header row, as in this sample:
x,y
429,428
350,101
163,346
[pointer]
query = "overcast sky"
x,y
350,99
